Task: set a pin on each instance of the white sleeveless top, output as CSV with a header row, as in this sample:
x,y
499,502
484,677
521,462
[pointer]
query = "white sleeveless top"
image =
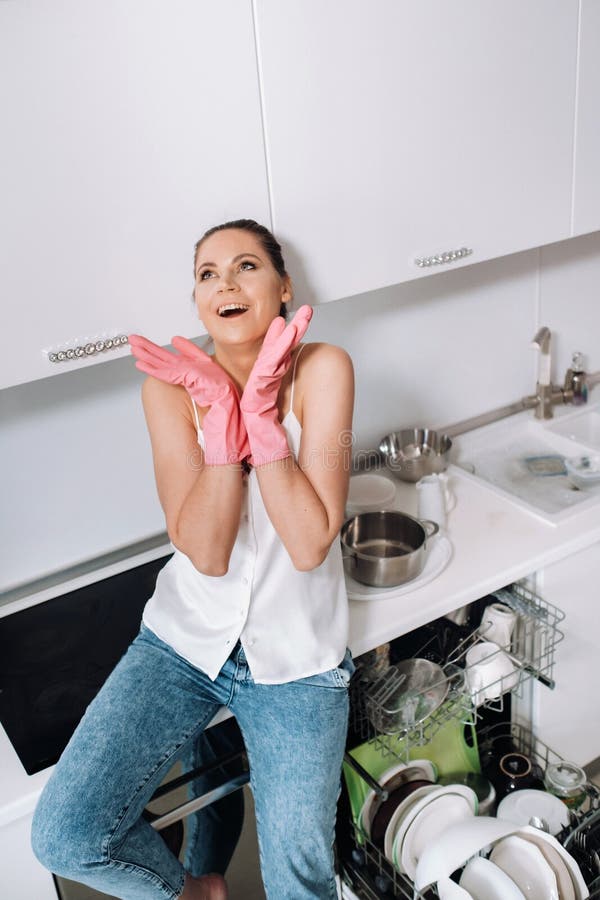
x,y
291,624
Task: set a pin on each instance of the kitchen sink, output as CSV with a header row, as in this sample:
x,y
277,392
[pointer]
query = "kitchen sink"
x,y
582,426
522,458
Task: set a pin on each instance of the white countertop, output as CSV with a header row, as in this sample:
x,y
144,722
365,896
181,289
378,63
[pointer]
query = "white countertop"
x,y
494,543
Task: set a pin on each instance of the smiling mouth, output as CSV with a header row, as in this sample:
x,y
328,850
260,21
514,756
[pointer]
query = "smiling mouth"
x,y
230,310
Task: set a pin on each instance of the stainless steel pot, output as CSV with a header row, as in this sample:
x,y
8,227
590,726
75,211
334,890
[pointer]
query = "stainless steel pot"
x,y
414,452
386,548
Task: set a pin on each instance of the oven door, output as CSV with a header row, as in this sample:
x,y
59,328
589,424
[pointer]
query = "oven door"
x,y
55,657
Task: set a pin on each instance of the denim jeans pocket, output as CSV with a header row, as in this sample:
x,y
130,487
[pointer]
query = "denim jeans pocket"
x,y
338,677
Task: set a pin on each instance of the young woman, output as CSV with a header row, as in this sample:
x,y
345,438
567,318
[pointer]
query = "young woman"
x,y
251,452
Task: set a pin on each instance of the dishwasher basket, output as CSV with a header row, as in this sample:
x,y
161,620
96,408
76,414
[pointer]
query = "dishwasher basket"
x,y
373,698
371,876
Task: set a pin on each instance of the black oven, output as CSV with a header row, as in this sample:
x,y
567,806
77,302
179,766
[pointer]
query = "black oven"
x,y
55,657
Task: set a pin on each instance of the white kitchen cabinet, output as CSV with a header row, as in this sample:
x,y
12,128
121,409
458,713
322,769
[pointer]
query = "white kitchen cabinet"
x,y
568,718
399,130
127,130
586,202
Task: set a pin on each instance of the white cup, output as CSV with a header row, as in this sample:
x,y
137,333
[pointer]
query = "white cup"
x,y
434,498
497,624
489,672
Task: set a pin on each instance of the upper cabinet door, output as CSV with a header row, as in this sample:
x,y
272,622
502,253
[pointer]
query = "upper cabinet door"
x,y
127,130
586,206
399,131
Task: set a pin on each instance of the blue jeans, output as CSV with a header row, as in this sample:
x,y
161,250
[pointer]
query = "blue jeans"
x,y
151,712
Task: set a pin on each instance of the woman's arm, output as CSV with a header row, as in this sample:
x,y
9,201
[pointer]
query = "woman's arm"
x,y
201,503
305,501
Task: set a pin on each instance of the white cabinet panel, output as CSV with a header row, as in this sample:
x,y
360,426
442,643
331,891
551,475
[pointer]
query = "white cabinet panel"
x,y
586,207
127,130
398,130
569,275
569,716
22,876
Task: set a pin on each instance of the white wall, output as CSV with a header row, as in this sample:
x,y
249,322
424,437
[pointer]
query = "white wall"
x,y
75,459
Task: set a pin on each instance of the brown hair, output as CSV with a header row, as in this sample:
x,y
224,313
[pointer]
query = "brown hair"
x,y
268,241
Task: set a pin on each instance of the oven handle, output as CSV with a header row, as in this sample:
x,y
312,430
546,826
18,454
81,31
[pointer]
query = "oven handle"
x,y
234,783
180,812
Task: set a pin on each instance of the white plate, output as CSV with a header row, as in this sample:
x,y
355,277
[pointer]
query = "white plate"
x,y
364,819
486,881
581,888
399,813
520,806
427,772
429,768
369,492
463,792
450,890
527,867
453,848
441,813
566,888
438,557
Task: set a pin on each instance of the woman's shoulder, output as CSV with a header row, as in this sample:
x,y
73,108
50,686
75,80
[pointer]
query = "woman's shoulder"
x,y
324,378
320,354
319,362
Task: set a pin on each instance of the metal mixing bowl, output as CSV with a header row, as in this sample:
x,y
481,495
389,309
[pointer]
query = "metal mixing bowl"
x,y
412,453
413,689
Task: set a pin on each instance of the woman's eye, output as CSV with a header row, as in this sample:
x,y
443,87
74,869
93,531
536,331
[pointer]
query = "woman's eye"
x,y
247,263
204,275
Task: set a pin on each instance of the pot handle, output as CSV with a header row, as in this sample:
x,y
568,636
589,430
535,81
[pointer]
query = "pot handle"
x,y
430,527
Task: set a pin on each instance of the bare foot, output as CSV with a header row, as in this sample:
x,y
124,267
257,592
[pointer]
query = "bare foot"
x,y
207,887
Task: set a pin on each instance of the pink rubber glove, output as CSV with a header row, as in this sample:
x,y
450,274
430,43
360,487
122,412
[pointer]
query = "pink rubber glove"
x,y
267,438
225,437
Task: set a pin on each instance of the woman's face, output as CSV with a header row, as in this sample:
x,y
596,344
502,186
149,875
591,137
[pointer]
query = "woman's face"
x,y
238,292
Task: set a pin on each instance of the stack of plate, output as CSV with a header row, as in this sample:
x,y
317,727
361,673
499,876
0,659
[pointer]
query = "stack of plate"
x,y
416,811
524,863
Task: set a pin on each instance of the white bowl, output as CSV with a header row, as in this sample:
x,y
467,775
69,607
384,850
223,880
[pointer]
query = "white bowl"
x,y
369,492
487,881
449,890
522,806
584,471
454,847
524,864
581,889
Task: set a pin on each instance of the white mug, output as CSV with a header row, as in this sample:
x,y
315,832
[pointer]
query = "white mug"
x,y
489,672
497,624
434,498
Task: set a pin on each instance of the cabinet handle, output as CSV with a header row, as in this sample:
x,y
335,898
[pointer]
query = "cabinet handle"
x,y
89,349
441,258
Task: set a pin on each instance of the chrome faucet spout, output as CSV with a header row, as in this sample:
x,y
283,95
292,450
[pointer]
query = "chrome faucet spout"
x,y
542,339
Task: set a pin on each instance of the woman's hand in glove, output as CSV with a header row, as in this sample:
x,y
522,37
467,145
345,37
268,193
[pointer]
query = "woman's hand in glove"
x,y
259,399
225,436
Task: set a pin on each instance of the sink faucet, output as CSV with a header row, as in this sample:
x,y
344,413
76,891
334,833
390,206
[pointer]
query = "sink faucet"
x,y
544,391
578,384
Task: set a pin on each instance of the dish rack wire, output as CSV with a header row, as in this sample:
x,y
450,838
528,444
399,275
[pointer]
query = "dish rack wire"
x,y
381,715
371,876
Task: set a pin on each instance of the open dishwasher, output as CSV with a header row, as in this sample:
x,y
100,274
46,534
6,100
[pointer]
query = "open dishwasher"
x,y
460,726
